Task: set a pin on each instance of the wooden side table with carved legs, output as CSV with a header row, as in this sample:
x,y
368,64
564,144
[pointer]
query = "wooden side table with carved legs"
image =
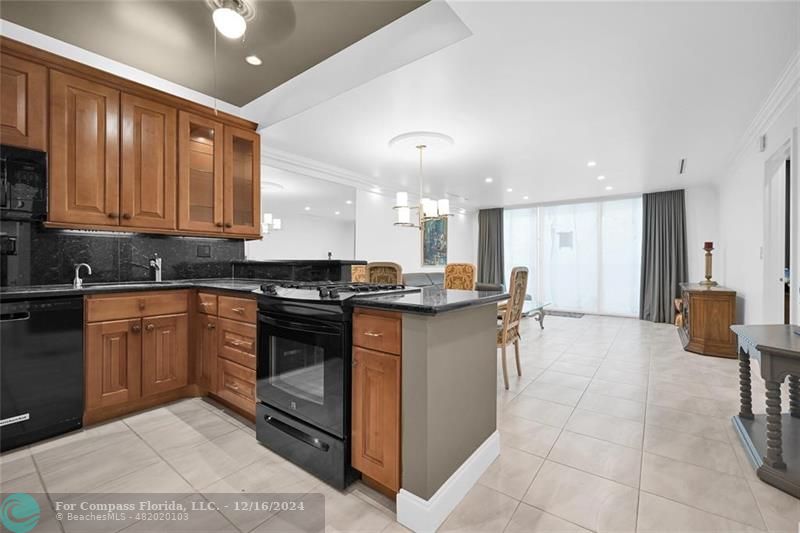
x,y
771,440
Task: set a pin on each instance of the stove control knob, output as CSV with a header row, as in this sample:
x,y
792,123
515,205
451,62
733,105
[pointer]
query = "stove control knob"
x,y
333,293
324,292
269,289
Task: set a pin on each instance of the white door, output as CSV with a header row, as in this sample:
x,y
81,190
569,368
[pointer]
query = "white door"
x,y
775,244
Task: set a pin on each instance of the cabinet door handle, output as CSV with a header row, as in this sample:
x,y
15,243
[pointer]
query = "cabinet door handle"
x,y
205,304
228,225
113,215
141,305
218,224
150,327
126,216
211,325
136,328
239,310
373,333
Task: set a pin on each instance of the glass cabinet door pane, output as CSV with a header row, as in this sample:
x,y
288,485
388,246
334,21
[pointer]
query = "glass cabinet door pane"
x,y
201,173
243,182
242,187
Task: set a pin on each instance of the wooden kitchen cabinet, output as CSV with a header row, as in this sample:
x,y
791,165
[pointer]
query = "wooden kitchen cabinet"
x,y
237,342
149,166
241,189
376,417
200,178
165,353
236,385
23,103
84,151
113,363
206,351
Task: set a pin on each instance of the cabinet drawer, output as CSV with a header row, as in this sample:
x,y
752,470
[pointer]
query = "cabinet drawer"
x,y
377,331
243,309
237,342
236,384
134,305
207,303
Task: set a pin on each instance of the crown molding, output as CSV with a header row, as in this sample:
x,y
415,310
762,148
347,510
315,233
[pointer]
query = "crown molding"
x,y
313,168
786,90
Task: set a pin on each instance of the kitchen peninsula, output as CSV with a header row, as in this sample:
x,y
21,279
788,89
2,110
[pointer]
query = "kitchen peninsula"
x,y
431,356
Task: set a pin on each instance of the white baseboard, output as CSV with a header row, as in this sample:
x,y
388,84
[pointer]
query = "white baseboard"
x,y
424,516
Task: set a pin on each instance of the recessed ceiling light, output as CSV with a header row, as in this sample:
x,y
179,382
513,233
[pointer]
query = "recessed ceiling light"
x,y
462,210
375,188
307,208
525,197
488,180
509,190
591,164
348,202
609,188
337,213
253,60
600,178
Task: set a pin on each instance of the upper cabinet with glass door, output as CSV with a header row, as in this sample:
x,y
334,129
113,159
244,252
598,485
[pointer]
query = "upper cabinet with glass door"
x,y
200,192
242,192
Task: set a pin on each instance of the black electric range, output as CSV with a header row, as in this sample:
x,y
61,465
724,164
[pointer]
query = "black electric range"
x,y
304,372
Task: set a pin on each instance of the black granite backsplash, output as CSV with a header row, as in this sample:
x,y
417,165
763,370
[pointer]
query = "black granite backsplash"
x,y
126,257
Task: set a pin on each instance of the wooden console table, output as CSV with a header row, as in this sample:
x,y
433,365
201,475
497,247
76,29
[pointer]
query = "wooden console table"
x,y
772,441
708,313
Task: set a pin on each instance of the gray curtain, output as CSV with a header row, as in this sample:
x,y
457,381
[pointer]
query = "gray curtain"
x,y
490,246
664,260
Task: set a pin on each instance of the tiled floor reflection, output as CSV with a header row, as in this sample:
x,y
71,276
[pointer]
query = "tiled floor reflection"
x,y
612,427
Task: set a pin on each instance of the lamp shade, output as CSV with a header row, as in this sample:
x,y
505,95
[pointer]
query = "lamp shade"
x,y
401,199
443,207
428,207
403,215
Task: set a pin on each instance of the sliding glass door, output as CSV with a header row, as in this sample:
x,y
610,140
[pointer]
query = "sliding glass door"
x,y
582,257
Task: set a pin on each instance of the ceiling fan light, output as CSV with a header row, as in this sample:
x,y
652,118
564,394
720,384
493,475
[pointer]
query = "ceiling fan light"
x,y
229,22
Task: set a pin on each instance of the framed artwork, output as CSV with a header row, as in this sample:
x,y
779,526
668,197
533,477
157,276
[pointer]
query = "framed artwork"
x,y
434,242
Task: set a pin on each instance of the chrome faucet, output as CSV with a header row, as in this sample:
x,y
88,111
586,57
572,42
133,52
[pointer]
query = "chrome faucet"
x,y
77,283
155,263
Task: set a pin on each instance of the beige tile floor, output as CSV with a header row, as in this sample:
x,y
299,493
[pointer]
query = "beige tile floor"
x,y
612,427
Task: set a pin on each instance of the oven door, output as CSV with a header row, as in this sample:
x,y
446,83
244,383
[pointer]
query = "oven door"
x,y
301,369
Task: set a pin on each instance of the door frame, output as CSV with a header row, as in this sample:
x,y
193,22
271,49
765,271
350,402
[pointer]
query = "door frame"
x,y
787,150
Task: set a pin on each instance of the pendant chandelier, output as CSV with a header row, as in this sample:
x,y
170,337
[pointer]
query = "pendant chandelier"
x,y
428,208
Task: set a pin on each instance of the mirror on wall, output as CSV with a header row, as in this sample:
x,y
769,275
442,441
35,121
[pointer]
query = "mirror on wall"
x,y
305,218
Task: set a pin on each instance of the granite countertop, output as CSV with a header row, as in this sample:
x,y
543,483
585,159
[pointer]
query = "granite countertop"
x,y
49,291
429,300
300,262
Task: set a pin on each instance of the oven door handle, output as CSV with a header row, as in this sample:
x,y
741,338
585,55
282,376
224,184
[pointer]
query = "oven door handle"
x,y
296,433
300,326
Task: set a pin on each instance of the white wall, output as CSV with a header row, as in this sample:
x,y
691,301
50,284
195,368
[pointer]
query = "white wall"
x,y
741,192
305,237
378,239
702,224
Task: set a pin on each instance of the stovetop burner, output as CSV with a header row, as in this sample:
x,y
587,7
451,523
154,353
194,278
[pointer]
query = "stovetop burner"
x,y
326,289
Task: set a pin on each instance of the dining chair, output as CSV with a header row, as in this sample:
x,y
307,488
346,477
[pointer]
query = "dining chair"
x,y
384,272
459,276
358,273
508,329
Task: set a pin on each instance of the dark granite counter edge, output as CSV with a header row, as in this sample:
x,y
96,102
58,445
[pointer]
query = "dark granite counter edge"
x,y
421,309
59,291
295,262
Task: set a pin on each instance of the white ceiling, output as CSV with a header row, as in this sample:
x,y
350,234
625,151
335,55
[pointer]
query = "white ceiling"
x,y
287,194
539,89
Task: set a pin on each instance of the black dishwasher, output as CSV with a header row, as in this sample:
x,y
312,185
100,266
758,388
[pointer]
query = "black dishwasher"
x,y
41,369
